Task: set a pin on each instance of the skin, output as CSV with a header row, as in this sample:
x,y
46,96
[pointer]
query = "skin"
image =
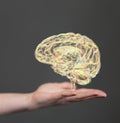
x,y
50,94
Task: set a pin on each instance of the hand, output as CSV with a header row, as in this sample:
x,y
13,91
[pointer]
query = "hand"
x,y
52,94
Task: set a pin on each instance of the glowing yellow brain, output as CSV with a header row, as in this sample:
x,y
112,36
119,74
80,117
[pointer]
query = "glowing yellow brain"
x,y
72,55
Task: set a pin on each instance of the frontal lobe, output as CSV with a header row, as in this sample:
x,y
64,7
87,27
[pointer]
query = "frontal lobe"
x,y
72,55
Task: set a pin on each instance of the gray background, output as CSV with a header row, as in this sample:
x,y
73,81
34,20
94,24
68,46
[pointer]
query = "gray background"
x,y
23,24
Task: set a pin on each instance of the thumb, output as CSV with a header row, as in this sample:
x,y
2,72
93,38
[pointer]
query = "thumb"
x,y
62,94
68,93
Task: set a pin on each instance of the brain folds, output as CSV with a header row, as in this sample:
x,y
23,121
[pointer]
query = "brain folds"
x,y
72,55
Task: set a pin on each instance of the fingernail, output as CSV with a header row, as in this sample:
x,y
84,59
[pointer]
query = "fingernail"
x,y
103,95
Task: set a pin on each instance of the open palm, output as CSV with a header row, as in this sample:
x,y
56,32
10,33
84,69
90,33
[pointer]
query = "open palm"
x,y
61,93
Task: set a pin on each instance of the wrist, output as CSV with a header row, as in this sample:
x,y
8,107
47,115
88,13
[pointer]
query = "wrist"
x,y
32,102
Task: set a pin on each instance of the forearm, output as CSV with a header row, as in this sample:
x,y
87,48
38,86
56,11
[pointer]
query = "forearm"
x,y
14,102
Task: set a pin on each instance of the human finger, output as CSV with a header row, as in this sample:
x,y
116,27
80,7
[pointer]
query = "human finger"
x,y
84,94
69,93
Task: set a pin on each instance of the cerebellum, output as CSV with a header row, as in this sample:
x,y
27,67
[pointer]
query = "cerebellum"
x,y
72,55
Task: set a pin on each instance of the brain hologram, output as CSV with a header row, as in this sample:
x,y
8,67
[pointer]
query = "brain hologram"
x,y
72,55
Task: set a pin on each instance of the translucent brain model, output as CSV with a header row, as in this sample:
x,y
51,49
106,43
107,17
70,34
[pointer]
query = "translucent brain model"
x,y
72,55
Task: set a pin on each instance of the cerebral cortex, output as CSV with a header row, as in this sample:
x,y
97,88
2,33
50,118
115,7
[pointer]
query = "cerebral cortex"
x,y
72,55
